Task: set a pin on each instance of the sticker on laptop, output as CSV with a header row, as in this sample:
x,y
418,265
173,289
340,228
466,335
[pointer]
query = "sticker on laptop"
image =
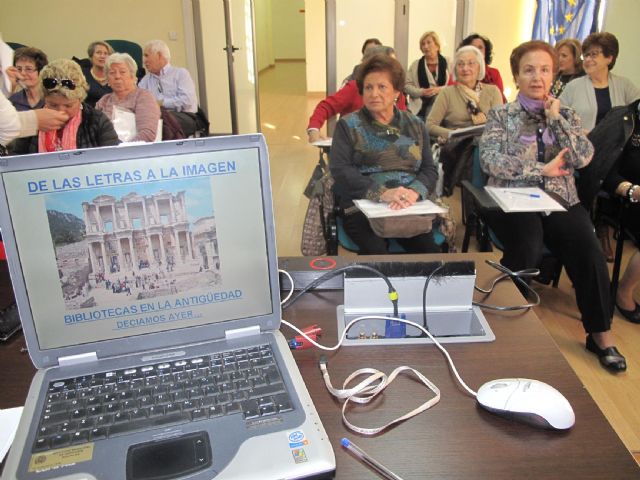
x,y
297,439
298,455
60,458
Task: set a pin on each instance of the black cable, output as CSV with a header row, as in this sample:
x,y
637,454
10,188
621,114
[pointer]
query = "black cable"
x,y
333,273
424,295
517,278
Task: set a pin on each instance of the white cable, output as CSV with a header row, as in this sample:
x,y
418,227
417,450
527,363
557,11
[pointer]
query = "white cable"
x,y
379,317
371,386
292,286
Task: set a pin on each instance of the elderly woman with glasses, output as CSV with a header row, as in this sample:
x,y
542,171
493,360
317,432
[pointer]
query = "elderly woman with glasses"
x,y
121,73
27,64
65,88
464,104
593,95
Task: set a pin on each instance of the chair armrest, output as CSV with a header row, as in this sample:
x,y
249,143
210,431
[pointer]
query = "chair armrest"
x,y
480,196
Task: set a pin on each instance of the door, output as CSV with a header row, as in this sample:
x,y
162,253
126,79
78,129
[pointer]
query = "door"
x,y
225,53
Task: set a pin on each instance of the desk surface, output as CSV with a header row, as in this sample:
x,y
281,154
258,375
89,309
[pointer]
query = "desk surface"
x,y
455,438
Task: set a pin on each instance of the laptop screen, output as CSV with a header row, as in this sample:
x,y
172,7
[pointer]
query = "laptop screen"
x,y
119,249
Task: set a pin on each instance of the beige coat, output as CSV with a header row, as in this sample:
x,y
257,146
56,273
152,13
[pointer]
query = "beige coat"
x,y
449,111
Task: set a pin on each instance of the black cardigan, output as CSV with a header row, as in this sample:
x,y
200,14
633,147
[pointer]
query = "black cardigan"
x,y
95,130
609,138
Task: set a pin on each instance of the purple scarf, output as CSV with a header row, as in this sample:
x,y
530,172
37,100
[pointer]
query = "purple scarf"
x,y
536,109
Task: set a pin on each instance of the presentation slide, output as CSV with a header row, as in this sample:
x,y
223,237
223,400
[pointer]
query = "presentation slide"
x,y
116,249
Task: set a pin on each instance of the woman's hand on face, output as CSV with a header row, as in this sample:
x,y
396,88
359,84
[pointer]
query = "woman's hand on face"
x,y
49,119
399,198
14,76
552,108
557,166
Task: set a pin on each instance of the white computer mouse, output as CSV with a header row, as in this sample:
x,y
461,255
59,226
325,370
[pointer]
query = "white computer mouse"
x,y
529,401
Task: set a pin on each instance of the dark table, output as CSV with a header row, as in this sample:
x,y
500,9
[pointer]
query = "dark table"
x,y
455,438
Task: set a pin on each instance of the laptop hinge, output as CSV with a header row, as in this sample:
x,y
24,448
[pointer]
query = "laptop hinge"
x,y
242,332
77,359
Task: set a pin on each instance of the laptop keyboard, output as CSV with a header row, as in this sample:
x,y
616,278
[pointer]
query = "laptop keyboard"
x,y
84,409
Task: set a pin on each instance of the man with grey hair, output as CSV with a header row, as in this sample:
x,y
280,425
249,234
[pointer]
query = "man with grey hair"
x,y
172,86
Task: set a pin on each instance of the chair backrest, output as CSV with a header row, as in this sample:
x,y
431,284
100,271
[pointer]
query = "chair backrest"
x,y
15,45
133,49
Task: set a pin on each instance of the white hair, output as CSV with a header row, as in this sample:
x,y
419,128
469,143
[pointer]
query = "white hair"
x,y
123,58
158,46
479,58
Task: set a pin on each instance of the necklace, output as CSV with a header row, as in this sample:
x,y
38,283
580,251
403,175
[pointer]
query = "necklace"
x,y
101,80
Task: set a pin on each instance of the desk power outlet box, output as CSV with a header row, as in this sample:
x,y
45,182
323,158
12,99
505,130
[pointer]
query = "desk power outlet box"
x,y
305,270
450,314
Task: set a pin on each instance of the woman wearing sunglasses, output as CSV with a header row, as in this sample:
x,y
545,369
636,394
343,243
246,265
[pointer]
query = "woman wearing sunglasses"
x,y
65,88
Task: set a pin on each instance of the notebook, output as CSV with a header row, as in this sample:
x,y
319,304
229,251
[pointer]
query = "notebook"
x,y
146,280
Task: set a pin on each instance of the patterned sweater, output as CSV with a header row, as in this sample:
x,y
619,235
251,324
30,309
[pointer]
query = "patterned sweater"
x,y
368,157
511,162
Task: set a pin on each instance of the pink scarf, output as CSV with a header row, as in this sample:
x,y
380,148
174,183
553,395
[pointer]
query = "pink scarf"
x,y
64,139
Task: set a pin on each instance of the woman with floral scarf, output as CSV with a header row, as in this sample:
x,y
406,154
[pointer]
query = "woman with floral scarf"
x,y
535,141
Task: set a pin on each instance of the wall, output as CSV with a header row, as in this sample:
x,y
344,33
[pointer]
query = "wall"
x,y
507,24
67,28
617,21
288,20
355,25
315,46
432,15
264,32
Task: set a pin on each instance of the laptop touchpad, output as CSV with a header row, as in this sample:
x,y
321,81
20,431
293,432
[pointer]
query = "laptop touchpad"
x,y
171,458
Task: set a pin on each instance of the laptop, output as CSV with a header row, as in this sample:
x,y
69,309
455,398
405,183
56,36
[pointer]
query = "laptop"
x,y
146,279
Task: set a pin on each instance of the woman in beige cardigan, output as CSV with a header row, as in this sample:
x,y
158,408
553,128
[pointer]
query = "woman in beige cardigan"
x,y
464,104
467,102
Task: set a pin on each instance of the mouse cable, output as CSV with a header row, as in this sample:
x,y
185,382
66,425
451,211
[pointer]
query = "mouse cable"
x,y
367,389
517,278
393,295
380,317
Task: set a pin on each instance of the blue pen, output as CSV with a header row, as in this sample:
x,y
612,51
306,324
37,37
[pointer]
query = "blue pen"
x,y
532,195
365,458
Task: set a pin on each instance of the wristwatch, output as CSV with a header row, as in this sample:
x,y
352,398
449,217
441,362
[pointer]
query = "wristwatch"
x,y
630,196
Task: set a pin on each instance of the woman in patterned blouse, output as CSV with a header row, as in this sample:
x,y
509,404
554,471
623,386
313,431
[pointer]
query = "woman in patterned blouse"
x,y
382,154
535,141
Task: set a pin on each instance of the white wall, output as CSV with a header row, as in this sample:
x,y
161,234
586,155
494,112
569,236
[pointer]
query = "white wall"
x,y
358,20
288,20
66,29
264,32
507,24
621,19
432,15
315,46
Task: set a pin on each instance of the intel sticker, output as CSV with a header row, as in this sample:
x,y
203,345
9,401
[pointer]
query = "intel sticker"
x,y
297,439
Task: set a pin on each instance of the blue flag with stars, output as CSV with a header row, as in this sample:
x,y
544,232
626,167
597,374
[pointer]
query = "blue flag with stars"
x,y
558,19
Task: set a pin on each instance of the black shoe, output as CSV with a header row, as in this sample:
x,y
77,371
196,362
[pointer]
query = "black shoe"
x,y
610,357
632,315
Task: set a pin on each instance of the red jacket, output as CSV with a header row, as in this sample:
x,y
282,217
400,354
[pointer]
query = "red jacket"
x,y
345,100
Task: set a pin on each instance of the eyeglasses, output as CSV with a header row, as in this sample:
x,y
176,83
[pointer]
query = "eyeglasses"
x,y
51,83
470,64
592,53
26,69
